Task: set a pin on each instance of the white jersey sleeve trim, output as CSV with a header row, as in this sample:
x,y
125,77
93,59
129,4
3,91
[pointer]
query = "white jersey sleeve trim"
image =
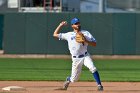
x,y
60,36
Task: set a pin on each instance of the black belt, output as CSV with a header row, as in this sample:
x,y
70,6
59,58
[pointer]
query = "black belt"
x,y
80,56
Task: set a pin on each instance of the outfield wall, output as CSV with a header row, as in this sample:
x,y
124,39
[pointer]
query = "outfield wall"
x,y
31,33
1,29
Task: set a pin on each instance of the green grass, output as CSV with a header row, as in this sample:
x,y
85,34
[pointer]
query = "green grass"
x,y
59,69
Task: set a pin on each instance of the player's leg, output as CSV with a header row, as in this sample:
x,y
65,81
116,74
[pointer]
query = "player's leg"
x,y
75,73
76,69
89,64
66,83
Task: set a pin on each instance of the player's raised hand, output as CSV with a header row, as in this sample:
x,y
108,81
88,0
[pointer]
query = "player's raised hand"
x,y
63,23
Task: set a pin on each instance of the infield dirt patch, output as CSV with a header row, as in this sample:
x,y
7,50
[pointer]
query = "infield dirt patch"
x,y
77,87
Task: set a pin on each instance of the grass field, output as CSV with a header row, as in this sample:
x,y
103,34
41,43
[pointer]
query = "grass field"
x,y
59,69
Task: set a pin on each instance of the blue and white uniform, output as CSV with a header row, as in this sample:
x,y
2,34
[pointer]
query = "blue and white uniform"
x,y
79,53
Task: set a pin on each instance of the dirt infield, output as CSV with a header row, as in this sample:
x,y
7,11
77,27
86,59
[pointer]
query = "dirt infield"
x,y
77,87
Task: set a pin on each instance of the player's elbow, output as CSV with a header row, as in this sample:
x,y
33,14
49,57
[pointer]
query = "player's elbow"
x,y
55,35
94,44
91,43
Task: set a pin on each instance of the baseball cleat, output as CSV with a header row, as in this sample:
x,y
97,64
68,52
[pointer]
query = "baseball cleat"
x,y
100,88
66,83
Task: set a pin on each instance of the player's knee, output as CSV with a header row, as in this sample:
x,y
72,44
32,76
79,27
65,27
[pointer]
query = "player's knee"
x,y
93,69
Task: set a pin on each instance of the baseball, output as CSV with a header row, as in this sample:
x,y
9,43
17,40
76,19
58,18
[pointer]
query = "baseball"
x,y
65,22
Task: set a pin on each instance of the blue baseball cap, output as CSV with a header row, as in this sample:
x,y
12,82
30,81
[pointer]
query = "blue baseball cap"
x,y
74,20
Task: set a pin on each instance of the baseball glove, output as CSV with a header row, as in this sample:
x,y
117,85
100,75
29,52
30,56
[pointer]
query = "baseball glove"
x,y
80,38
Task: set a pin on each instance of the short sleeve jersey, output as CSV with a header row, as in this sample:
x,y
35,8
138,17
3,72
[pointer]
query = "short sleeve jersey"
x,y
76,48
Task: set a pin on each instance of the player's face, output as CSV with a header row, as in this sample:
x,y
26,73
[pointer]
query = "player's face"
x,y
76,26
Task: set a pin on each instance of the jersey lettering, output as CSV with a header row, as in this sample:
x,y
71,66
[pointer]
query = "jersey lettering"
x,y
73,37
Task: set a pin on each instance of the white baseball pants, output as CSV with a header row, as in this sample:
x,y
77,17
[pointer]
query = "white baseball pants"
x,y
77,66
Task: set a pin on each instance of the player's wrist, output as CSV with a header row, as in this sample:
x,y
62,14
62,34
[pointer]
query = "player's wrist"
x,y
60,25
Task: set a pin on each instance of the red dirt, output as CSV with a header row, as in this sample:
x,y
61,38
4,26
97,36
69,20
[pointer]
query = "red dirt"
x,y
76,87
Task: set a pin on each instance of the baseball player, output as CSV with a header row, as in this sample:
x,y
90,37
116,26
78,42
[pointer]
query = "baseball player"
x,y
78,40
